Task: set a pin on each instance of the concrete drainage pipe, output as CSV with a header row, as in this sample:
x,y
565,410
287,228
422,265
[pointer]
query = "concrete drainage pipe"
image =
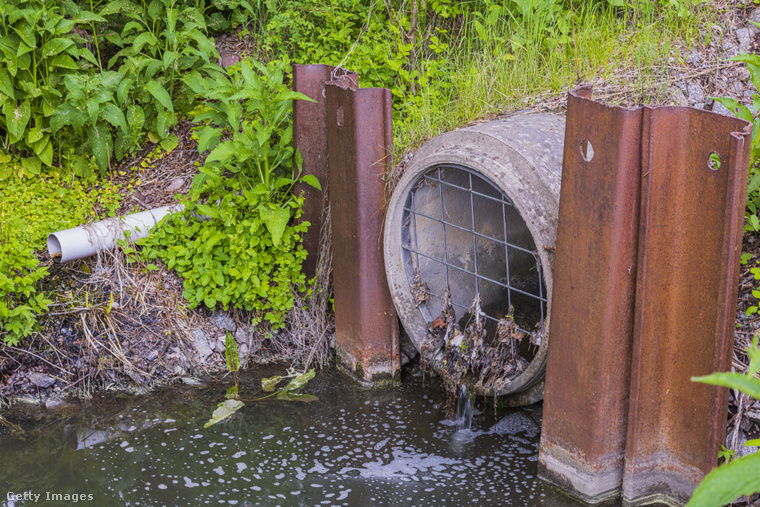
x,y
476,211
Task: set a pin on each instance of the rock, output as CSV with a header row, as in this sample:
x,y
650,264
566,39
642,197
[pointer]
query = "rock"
x,y
41,380
516,422
694,58
741,449
243,350
179,370
745,38
228,58
175,185
191,381
242,336
152,355
679,98
696,95
201,344
720,108
220,343
754,16
224,321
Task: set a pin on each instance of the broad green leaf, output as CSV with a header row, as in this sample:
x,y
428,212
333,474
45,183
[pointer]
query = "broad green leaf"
x,y
269,384
728,482
17,118
231,353
81,166
55,46
312,180
232,393
33,165
118,6
276,220
6,84
88,17
101,144
160,94
222,153
113,115
208,137
26,32
145,38
206,210
44,150
752,443
744,383
122,91
300,381
223,411
64,62
169,143
291,95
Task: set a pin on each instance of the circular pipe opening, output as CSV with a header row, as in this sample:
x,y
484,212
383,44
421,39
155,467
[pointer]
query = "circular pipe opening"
x,y
462,233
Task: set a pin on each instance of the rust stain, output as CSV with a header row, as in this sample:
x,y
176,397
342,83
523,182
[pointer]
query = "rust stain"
x,y
359,140
646,274
587,382
310,137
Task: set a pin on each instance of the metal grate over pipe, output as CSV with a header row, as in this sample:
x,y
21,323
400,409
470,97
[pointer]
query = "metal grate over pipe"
x,y
471,232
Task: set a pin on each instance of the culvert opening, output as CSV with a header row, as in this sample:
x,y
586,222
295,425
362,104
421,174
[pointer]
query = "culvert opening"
x,y
462,233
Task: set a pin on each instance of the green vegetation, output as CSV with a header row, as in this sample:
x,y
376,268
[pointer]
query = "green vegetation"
x,y
84,83
238,243
740,476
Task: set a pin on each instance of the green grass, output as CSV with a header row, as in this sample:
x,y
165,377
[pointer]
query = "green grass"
x,y
513,61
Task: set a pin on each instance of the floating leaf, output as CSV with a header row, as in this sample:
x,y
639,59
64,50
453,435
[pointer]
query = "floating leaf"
x,y
300,381
291,396
223,411
268,384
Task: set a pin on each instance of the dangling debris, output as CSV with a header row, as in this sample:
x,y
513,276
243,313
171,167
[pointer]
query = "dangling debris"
x,y
471,356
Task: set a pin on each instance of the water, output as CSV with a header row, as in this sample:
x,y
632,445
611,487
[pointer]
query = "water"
x,y
352,447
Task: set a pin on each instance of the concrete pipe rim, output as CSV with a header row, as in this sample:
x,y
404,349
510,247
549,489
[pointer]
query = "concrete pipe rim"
x,y
491,167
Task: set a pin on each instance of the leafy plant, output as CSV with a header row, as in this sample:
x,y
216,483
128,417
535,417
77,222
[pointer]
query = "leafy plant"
x,y
37,50
235,245
19,273
740,476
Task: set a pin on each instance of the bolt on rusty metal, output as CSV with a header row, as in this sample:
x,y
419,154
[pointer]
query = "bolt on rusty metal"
x,y
646,272
693,191
359,144
310,138
586,397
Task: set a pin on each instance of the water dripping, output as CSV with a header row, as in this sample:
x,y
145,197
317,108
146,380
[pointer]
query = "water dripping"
x,y
464,411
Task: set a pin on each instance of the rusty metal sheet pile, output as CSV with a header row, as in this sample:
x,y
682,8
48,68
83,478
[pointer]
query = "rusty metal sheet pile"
x,y
648,244
583,438
310,137
359,144
690,245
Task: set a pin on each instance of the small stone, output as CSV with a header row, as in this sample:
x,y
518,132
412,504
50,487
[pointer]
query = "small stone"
x,y
224,321
755,16
201,344
721,109
694,58
190,381
41,380
745,38
243,350
228,58
220,343
152,355
175,185
678,98
696,95
179,370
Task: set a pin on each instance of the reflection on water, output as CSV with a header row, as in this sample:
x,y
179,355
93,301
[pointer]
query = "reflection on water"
x,y
352,447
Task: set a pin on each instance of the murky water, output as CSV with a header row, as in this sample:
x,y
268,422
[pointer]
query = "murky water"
x,y
352,447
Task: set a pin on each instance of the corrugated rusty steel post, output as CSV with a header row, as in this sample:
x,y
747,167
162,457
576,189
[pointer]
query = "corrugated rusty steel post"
x,y
689,249
310,137
587,382
359,142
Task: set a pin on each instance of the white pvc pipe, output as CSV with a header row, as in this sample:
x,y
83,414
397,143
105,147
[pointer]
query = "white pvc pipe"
x,y
88,239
